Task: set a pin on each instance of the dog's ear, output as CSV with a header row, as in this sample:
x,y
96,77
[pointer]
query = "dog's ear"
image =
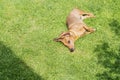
x,y
57,39
62,36
65,34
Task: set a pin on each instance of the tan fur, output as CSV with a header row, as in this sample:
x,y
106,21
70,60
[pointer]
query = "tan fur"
x,y
76,28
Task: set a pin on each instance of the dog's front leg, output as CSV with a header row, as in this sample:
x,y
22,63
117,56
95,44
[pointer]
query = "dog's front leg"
x,y
89,29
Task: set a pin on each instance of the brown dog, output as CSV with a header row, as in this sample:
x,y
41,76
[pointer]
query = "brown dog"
x,y
77,28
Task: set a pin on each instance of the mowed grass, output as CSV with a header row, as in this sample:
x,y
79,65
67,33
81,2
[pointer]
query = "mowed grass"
x,y
28,52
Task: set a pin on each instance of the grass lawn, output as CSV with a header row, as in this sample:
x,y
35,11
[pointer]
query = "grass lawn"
x,y
28,52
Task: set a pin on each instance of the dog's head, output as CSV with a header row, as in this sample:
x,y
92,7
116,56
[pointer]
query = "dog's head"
x,y
81,14
67,39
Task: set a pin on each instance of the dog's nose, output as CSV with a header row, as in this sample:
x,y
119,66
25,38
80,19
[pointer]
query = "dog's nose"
x,y
72,49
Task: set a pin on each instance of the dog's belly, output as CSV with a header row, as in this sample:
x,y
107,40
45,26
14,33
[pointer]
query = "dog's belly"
x,y
80,32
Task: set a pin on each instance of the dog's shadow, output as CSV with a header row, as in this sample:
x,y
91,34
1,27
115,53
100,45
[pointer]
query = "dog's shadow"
x,y
13,68
110,60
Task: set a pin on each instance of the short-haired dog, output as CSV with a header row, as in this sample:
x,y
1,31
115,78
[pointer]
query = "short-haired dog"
x,y
76,28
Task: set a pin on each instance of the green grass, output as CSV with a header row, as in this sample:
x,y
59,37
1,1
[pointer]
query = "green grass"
x,y
28,52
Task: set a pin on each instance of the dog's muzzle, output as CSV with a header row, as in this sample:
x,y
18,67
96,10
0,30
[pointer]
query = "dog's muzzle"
x,y
72,50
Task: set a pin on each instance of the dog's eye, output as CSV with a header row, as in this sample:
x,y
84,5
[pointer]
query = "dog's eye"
x,y
69,42
84,14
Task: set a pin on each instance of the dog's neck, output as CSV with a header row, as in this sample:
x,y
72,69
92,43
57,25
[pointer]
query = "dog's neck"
x,y
74,35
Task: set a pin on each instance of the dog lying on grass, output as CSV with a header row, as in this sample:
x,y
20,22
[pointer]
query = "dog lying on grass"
x,y
76,28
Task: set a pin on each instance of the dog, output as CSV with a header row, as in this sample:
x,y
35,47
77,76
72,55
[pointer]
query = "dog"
x,y
76,28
